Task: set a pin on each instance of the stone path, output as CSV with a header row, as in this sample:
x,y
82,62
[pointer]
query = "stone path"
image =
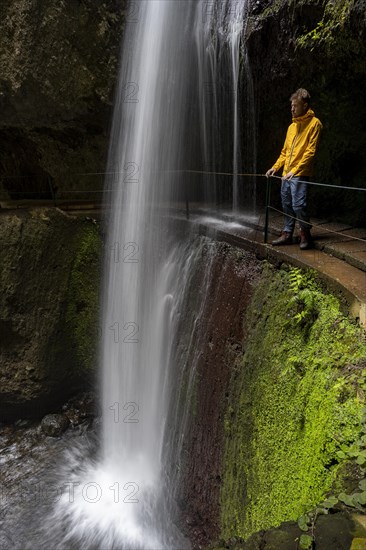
x,y
338,259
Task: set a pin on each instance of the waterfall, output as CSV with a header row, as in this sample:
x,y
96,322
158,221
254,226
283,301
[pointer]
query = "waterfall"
x,y
122,497
226,100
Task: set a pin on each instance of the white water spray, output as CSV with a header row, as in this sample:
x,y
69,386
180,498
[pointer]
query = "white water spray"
x,y
122,498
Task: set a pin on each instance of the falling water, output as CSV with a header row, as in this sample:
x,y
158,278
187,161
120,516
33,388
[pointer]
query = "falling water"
x,y
226,100
122,497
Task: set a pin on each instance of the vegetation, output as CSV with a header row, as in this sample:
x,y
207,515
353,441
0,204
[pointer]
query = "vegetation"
x,y
295,415
83,298
333,30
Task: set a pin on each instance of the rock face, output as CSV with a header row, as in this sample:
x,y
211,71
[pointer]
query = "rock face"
x,y
54,424
286,405
270,386
219,336
285,54
48,309
332,531
58,67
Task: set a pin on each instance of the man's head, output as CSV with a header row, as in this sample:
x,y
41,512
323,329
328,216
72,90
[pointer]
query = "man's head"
x,y
300,101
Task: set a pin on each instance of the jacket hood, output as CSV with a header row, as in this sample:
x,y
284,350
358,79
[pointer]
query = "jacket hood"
x,y
309,114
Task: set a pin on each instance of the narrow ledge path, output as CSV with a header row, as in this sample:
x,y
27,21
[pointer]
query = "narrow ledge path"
x,y
338,259
340,272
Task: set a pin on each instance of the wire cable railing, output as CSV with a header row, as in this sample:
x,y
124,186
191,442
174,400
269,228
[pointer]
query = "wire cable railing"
x,y
268,206
53,191
326,229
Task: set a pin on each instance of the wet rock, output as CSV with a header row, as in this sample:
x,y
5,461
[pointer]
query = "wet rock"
x,y
54,424
49,285
334,531
58,68
81,408
191,521
255,542
199,494
284,538
258,6
23,423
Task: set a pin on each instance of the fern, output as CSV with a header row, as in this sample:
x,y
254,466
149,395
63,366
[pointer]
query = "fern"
x,y
296,279
334,22
305,296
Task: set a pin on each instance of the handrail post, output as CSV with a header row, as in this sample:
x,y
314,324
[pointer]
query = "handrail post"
x,y
268,199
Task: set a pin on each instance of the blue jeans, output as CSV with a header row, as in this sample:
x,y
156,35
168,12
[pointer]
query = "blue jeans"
x,y
293,197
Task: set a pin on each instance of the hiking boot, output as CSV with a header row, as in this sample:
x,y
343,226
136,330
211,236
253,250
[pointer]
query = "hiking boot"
x,y
285,238
306,240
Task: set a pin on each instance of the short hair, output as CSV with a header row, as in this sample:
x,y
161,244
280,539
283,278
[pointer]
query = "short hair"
x,y
302,94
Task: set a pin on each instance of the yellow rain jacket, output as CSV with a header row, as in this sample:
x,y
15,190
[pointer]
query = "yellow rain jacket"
x,y
301,141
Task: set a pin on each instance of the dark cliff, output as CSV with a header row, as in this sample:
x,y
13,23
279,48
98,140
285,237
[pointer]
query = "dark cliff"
x,y
50,273
58,66
319,46
58,69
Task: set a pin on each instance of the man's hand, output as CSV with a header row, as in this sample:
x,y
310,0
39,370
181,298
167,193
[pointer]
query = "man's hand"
x,y
270,172
288,176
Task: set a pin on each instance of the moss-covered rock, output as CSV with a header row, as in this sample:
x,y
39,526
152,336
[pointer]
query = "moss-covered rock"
x,y
339,531
295,401
82,299
48,309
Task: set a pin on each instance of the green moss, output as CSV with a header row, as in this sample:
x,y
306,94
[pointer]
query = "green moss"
x,y
293,404
333,30
83,297
277,5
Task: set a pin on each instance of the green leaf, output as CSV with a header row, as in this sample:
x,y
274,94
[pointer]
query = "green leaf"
x,y
354,453
329,502
321,511
362,485
303,522
347,499
360,498
306,542
361,459
341,455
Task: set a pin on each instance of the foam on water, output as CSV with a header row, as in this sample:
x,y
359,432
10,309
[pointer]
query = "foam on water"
x,y
123,496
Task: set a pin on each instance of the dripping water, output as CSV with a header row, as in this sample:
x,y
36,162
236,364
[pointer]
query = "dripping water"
x,y
177,104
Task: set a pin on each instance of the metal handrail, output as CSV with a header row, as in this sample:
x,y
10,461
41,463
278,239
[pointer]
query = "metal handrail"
x,y
268,207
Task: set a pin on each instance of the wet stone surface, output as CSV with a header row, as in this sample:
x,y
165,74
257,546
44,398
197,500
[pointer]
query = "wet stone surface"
x,y
54,424
30,461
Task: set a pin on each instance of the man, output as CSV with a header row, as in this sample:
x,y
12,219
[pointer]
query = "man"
x,y
297,158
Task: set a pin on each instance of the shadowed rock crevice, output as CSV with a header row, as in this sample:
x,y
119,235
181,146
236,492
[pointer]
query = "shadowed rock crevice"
x,y
58,68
